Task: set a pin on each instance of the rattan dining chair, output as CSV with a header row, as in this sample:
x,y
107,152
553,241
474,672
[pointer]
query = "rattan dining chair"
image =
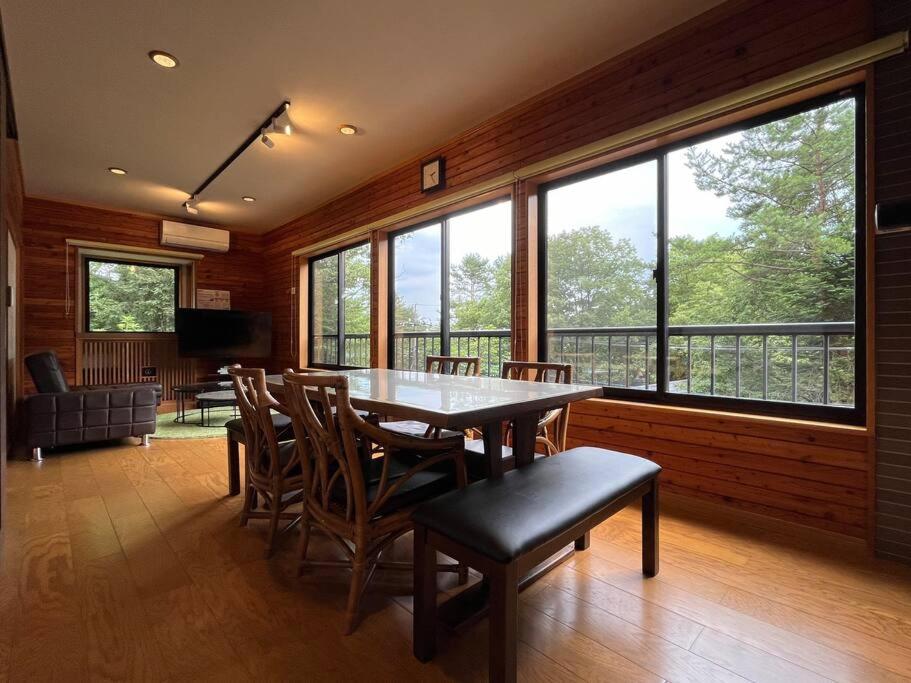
x,y
552,425
361,501
273,474
468,366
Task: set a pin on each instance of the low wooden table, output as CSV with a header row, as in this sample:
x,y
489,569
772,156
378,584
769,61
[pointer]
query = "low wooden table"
x,y
456,402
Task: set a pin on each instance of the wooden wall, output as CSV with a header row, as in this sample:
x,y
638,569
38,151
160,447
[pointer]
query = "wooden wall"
x,y
892,124
802,472
48,224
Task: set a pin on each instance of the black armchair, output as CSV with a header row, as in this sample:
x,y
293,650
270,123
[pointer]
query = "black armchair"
x,y
60,416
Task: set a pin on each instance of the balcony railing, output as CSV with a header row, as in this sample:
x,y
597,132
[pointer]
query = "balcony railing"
x,y
357,350
493,347
796,362
810,363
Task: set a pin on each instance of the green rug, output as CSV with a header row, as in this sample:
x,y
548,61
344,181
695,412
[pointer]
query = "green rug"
x,y
168,429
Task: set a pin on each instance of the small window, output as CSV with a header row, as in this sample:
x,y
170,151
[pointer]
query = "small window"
x,y
130,297
340,325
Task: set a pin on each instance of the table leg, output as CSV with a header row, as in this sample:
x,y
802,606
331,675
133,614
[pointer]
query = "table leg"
x,y
525,429
492,433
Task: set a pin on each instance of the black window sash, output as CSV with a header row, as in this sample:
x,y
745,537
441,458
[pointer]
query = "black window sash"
x,y
848,415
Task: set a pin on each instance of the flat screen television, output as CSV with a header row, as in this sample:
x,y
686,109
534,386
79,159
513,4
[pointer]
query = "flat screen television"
x,y
204,333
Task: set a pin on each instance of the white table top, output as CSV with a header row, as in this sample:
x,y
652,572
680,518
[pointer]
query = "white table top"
x,y
452,401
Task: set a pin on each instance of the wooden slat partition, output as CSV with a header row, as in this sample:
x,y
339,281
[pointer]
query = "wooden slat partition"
x,y
120,360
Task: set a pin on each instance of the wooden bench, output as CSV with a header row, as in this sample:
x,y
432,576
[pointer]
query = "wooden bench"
x,y
504,527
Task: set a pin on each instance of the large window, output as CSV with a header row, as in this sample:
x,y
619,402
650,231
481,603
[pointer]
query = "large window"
x,y
725,271
340,325
130,297
452,289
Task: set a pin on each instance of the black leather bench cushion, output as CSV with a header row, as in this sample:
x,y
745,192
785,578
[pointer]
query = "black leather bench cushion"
x,y
507,517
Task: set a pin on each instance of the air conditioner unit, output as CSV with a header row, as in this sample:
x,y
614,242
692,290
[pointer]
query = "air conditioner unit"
x,y
174,234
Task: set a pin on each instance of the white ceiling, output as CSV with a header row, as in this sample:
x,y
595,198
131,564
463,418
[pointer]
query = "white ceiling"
x,y
410,74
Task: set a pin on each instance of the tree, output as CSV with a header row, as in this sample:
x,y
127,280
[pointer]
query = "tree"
x,y
480,293
127,297
790,184
594,280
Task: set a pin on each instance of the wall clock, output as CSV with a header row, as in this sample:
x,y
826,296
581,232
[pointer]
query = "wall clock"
x,y
433,174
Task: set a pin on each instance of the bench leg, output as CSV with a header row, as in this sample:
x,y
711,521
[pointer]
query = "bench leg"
x,y
504,624
424,622
650,531
233,467
584,541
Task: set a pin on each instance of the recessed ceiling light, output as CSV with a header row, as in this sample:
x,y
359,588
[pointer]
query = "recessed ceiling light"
x,y
117,171
163,59
249,199
347,129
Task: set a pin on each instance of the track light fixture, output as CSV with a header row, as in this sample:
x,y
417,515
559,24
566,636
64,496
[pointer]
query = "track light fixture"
x,y
278,122
281,124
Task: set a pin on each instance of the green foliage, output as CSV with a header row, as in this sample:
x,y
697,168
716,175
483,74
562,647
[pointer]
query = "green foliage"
x,y
127,297
480,293
594,280
791,186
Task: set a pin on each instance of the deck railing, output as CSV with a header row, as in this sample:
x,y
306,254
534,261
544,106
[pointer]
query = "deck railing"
x,y
357,350
493,347
795,362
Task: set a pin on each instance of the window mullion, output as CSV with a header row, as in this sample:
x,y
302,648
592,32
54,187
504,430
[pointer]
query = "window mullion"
x,y
444,288
341,309
661,362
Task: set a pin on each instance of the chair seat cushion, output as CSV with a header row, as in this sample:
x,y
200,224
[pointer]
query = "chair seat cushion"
x,y
282,424
415,428
422,486
507,517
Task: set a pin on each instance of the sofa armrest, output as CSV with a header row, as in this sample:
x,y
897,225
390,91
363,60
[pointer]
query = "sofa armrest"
x,y
86,415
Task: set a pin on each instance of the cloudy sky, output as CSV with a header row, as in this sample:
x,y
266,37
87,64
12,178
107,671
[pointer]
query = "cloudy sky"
x,y
622,201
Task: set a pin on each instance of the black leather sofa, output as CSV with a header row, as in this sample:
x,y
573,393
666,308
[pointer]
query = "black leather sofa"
x,y
61,416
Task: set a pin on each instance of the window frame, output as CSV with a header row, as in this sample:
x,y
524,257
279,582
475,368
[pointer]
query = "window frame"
x,y
855,415
445,266
340,282
86,292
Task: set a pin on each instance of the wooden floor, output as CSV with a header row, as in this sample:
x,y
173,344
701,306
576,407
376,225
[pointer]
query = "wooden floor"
x,y
127,563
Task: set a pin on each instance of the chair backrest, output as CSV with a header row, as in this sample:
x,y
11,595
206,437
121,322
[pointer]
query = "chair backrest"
x,y
528,371
336,474
558,373
47,375
453,365
261,440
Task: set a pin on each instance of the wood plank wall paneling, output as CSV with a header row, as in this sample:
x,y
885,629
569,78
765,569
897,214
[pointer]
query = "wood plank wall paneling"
x,y
796,472
892,122
48,224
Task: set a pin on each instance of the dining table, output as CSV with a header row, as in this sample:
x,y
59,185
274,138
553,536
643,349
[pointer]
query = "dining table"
x,y
458,402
